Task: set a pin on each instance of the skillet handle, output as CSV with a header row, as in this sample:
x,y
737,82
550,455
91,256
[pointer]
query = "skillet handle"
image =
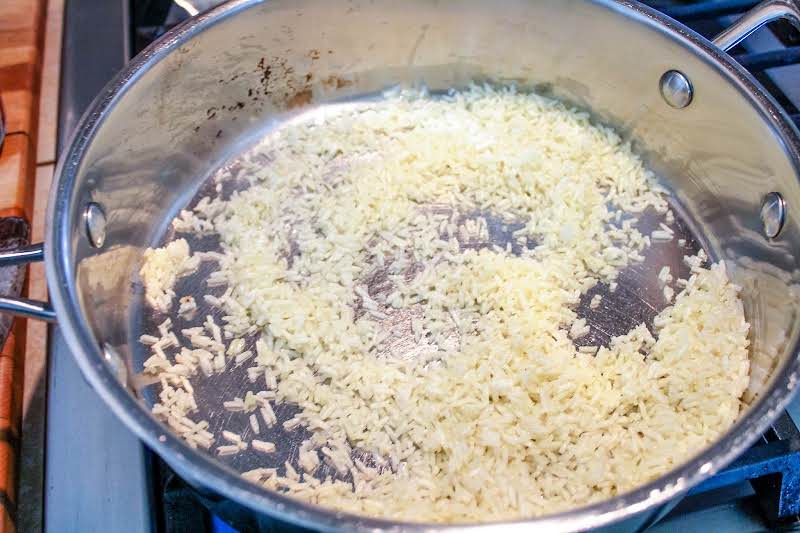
x,y
23,306
761,14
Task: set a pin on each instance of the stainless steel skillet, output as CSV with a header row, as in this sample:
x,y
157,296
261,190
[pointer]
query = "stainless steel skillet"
x,y
703,124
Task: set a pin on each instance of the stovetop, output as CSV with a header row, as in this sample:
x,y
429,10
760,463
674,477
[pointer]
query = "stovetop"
x,y
124,487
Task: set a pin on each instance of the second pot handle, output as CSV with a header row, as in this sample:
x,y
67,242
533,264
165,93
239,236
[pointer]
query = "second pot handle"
x,y
761,14
23,306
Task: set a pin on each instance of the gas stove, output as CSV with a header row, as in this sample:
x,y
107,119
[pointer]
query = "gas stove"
x,y
124,487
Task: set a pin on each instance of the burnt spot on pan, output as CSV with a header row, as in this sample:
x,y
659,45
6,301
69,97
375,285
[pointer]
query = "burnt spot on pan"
x,y
299,99
336,82
275,80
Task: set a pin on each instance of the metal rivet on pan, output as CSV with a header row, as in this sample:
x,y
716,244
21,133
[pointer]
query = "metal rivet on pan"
x,y
773,214
95,224
676,89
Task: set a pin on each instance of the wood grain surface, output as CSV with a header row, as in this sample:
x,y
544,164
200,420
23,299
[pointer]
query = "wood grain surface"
x,y
21,45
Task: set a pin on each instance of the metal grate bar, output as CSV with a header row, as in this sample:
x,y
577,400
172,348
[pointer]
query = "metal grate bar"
x,y
773,58
775,466
706,9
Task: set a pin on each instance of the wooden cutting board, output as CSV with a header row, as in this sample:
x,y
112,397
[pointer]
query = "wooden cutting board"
x,y
21,48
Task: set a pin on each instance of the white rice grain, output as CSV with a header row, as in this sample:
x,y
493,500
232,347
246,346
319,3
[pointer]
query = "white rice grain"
x,y
226,450
254,424
262,446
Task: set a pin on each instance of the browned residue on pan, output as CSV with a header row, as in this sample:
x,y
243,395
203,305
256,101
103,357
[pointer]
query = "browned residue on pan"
x,y
299,99
277,81
336,81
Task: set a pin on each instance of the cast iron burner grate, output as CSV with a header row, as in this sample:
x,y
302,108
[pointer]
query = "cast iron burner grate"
x,y
772,467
